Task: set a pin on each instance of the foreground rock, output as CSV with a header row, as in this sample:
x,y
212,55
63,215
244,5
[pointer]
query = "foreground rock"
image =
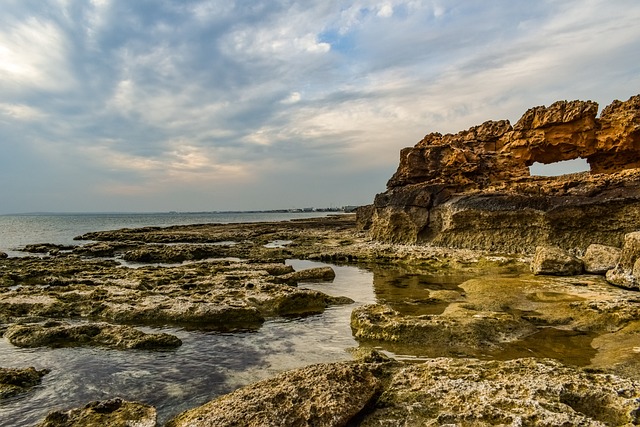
x,y
61,334
473,189
627,271
112,413
320,395
17,381
466,392
555,261
3,255
438,392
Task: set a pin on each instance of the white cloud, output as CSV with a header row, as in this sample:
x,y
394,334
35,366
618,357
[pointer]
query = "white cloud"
x,y
21,112
33,55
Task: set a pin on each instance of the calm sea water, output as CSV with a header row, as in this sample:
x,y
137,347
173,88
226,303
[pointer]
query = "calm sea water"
x,y
207,365
19,230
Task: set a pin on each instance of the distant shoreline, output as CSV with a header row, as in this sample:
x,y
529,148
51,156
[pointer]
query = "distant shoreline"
x,y
347,209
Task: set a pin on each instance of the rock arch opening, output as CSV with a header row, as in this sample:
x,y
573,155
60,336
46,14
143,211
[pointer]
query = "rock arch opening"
x,y
559,168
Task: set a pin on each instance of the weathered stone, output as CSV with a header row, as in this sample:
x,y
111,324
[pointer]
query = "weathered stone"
x,y
318,395
278,269
473,189
61,334
212,295
114,413
318,273
624,274
598,259
46,248
555,261
17,381
468,392
457,331
174,253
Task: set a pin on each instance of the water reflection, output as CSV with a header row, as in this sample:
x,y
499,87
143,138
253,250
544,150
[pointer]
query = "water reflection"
x,y
413,292
207,365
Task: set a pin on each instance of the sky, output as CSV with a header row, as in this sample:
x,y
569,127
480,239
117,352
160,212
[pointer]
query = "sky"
x,y
199,105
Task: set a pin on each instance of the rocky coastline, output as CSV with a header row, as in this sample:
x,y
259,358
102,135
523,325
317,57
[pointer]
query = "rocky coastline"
x,y
500,298
470,334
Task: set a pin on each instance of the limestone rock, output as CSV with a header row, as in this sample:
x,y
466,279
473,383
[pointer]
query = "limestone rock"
x,y
318,395
598,259
62,334
16,381
468,392
318,273
454,332
555,261
473,189
114,413
625,272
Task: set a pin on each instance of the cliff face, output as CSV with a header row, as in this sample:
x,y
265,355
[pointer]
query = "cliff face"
x,y
473,189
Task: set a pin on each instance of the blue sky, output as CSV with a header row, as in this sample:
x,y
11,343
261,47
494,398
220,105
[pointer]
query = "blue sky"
x,y
191,105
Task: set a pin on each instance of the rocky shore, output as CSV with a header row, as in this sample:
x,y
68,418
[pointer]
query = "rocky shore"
x,y
501,299
478,341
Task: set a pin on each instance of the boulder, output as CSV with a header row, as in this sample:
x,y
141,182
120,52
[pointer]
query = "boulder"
x,y
625,273
3,255
113,413
555,261
598,259
62,334
318,395
16,381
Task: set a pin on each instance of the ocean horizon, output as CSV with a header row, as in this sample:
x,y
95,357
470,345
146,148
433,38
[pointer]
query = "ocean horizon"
x,y
18,230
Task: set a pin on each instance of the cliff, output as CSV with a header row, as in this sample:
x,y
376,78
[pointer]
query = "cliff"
x,y
474,190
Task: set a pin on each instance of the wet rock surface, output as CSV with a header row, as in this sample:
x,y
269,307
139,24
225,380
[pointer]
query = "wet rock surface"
x,y
449,304
320,395
62,334
17,381
513,315
114,412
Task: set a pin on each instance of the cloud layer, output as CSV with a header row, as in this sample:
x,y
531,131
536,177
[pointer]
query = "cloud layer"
x,y
115,105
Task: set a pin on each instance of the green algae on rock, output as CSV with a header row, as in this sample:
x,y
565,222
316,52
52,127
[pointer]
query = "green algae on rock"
x,y
62,334
17,381
113,413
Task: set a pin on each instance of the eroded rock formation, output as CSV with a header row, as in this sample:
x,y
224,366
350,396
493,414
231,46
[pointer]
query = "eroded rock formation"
x,y
474,190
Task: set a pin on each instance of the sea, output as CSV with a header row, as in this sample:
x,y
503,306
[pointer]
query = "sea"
x,y
207,365
18,230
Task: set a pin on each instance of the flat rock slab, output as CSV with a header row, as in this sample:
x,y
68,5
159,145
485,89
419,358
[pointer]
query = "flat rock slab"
x,y
112,413
522,392
16,381
62,334
319,395
214,295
